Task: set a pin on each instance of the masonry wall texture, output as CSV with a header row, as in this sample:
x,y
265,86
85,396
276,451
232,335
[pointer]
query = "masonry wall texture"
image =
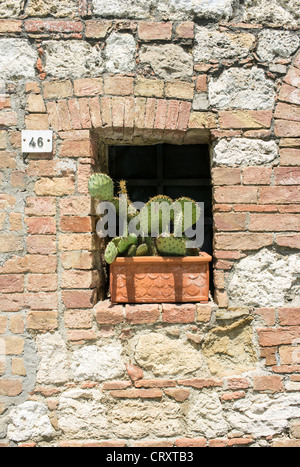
x,y
76,370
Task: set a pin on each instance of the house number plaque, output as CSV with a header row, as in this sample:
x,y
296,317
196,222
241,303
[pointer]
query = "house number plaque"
x,y
37,141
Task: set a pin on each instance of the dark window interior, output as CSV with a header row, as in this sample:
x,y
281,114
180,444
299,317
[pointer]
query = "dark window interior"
x,y
166,169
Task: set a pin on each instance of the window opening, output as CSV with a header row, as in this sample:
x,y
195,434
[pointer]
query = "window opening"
x,y
166,169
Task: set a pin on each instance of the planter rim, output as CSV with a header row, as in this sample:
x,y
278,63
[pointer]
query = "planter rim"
x,y
204,258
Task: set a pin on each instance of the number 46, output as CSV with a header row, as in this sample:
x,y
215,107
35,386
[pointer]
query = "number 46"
x,y
40,142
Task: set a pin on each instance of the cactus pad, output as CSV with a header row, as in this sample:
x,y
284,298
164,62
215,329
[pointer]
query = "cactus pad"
x,y
101,187
171,246
126,242
142,250
111,253
180,222
151,218
132,251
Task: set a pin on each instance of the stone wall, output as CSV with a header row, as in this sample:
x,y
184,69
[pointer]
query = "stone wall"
x,y
75,370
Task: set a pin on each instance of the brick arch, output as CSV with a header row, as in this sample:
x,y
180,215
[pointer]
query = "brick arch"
x,y
113,111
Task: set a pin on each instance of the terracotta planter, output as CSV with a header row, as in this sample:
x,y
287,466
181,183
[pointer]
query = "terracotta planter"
x,y
160,279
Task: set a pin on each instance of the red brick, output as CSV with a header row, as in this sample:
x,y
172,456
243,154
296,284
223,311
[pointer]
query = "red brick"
x,y
137,393
41,225
11,283
287,175
269,354
269,383
53,26
289,316
57,89
116,385
257,175
290,156
274,222
201,383
229,221
180,395
76,224
239,441
135,373
79,299
117,110
185,30
97,29
218,443
246,119
41,301
201,83
155,383
88,87
297,61
8,119
142,314
53,116
75,206
184,115
84,113
10,26
161,114
7,160
106,114
95,112
10,387
41,264
290,241
226,176
286,443
178,313
268,315
191,443
149,31
74,113
118,86
293,77
287,112
81,335
172,115
78,319
232,396
63,114
77,260
237,383
241,194
76,148
42,320
279,195
287,129
79,279
289,94
105,313
242,241
42,282
41,244
280,336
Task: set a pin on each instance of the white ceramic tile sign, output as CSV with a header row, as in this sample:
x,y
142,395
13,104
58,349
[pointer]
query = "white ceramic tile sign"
x,y
37,141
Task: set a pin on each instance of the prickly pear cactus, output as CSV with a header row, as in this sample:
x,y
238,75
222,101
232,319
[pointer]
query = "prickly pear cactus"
x,y
101,187
170,245
142,250
126,242
111,253
189,215
151,217
132,251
